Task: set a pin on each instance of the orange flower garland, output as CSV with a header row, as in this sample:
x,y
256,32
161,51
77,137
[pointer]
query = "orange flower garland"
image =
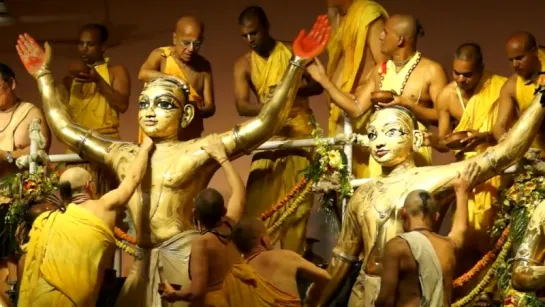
x,y
267,214
481,264
121,235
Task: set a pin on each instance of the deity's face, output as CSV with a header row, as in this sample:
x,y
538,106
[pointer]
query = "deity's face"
x,y
524,61
163,110
389,40
254,33
7,95
392,138
187,41
466,74
91,49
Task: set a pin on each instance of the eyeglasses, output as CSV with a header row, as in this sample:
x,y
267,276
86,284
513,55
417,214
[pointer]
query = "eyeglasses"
x,y
187,44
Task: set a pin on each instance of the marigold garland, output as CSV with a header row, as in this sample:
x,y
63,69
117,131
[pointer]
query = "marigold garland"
x,y
290,210
127,249
269,212
485,260
123,236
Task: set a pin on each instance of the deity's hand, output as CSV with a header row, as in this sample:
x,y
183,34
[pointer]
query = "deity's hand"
x,y
215,148
317,71
32,55
308,46
465,181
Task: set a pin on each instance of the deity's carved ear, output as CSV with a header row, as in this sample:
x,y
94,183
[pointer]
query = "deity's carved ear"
x,y
418,139
187,115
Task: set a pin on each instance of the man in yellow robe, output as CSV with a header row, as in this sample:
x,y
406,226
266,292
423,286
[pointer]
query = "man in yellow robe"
x,y
528,60
273,173
70,248
354,49
183,61
99,92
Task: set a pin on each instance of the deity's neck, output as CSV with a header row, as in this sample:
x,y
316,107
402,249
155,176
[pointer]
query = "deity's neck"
x,y
165,143
398,169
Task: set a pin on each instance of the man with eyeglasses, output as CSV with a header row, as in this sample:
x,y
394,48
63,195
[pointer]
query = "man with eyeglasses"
x,y
16,116
183,61
273,173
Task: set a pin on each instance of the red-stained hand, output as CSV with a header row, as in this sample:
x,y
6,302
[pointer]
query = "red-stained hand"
x,y
32,55
308,46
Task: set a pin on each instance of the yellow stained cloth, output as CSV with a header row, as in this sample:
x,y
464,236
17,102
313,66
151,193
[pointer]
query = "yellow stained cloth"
x,y
347,48
525,94
480,114
245,287
274,173
196,127
393,80
66,258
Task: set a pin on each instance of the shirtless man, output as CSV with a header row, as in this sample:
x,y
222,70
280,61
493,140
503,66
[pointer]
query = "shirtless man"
x,y
212,253
416,80
278,267
183,61
528,60
419,264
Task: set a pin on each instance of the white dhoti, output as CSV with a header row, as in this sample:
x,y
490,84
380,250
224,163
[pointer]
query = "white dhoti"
x,y
365,290
169,260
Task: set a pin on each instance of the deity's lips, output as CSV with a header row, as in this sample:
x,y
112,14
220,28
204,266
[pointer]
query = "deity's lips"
x,y
381,152
150,122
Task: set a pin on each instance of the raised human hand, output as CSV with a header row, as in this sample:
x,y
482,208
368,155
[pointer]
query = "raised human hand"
x,y
466,180
308,46
32,55
147,143
215,148
317,71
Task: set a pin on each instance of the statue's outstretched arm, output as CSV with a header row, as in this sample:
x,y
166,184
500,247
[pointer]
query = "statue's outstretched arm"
x,y
501,156
248,136
88,144
529,269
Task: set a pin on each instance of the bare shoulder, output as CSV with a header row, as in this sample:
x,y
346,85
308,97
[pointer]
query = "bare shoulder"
x,y
448,94
118,69
510,86
243,62
434,68
202,65
396,247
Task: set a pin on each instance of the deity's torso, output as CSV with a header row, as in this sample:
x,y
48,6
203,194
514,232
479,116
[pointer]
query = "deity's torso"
x,y
162,205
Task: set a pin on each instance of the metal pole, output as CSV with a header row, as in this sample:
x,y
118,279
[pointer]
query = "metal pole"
x,y
348,152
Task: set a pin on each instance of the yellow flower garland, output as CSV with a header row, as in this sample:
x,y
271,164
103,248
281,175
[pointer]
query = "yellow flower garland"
x,y
126,248
291,209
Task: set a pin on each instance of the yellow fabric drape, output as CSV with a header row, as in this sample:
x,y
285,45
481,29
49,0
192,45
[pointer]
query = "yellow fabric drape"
x,y
67,255
196,127
525,94
245,287
394,81
347,48
274,173
480,114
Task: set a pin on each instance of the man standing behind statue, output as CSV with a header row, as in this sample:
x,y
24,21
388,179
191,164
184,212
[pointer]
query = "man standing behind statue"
x,y
528,60
273,173
99,92
183,61
353,51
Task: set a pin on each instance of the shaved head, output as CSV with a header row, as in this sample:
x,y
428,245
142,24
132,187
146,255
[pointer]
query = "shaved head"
x,y
77,177
407,26
189,24
470,52
522,51
522,39
247,234
420,203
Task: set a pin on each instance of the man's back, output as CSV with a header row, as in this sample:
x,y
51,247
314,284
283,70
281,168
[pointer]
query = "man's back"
x,y
276,267
409,287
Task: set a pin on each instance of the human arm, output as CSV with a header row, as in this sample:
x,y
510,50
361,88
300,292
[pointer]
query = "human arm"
x,y
89,145
310,87
507,105
151,69
346,252
462,184
528,268
118,198
444,120
241,77
248,136
235,206
393,253
309,270
117,93
209,106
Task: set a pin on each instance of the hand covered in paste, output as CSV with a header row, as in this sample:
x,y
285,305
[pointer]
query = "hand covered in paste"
x,y
466,180
215,148
308,46
33,56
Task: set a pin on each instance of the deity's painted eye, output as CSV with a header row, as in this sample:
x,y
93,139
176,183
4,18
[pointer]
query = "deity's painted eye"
x,y
143,104
166,104
372,135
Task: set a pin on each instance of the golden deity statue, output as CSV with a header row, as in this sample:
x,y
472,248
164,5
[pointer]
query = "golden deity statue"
x,y
162,205
372,216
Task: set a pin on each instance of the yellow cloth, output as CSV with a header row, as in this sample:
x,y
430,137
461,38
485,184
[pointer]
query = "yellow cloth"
x,y
196,127
525,95
349,44
245,287
274,173
480,115
67,255
393,80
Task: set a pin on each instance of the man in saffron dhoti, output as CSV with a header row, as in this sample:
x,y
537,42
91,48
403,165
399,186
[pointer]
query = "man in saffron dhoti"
x,y
70,248
273,173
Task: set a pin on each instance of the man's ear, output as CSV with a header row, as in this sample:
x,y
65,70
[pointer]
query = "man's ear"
x,y
400,41
12,83
188,113
418,139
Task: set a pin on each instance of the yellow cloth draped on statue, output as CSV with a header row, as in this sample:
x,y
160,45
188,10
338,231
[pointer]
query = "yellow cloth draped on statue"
x,y
245,287
349,44
274,173
89,108
196,127
68,253
525,95
480,114
392,80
